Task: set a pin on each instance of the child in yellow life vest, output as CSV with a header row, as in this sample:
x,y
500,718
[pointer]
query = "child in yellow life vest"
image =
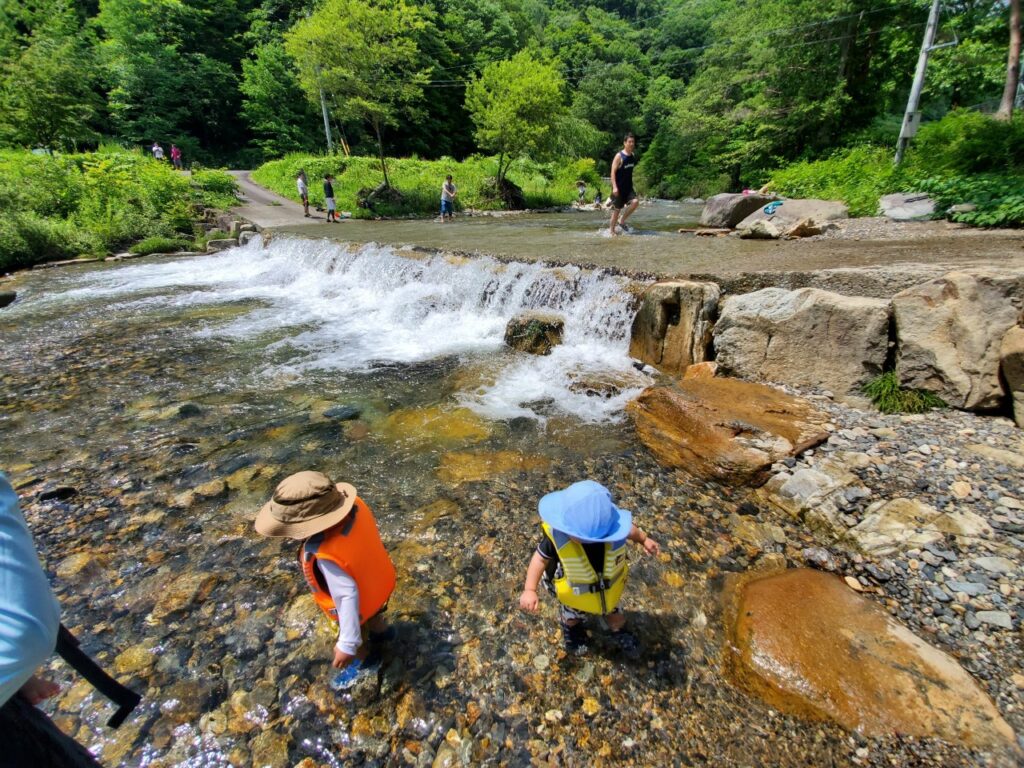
x,y
342,558
582,560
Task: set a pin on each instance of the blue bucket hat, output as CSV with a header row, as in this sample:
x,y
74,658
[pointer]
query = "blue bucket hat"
x,y
585,511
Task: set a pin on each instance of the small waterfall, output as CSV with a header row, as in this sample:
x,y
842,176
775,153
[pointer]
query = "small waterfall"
x,y
332,307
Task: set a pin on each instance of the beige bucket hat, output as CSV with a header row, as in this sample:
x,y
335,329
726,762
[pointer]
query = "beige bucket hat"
x,y
304,504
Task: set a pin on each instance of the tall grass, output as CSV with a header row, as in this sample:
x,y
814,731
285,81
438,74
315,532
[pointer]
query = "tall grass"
x,y
419,182
63,206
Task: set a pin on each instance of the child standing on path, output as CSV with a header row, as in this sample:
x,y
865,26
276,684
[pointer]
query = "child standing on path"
x,y
303,187
582,561
332,213
343,559
176,157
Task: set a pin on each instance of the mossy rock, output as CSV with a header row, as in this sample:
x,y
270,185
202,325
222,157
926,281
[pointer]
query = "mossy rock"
x,y
534,332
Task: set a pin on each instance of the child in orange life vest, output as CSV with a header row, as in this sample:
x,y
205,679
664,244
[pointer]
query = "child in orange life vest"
x,y
582,560
342,558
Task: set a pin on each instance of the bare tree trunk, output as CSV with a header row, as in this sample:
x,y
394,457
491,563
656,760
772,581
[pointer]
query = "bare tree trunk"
x,y
1005,111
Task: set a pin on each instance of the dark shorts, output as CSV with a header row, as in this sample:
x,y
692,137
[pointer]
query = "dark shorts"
x,y
31,740
623,198
447,207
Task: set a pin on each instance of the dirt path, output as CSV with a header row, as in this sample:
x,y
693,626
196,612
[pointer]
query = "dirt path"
x,y
267,209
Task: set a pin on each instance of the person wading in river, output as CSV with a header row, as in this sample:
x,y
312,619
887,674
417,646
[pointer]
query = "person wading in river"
x,y
581,559
623,194
343,559
29,621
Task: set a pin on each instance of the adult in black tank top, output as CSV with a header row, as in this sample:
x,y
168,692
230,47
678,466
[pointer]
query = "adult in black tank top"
x,y
624,200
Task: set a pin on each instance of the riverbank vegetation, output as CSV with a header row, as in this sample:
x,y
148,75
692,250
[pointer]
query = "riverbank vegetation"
x,y
417,183
964,158
721,94
63,206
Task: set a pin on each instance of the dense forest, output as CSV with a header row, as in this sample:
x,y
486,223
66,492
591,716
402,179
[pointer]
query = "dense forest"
x,y
718,92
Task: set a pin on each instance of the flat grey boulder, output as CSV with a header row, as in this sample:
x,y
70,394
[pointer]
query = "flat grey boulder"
x,y
906,206
949,333
729,209
792,218
806,337
672,329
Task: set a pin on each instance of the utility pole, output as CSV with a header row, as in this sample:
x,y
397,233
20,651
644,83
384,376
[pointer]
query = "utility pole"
x,y
327,123
912,118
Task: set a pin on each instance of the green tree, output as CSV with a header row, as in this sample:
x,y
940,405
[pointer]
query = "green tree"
x,y
366,55
275,108
516,106
46,97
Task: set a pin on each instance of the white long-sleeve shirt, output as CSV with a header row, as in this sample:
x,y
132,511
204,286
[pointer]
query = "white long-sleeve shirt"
x,y
29,614
345,594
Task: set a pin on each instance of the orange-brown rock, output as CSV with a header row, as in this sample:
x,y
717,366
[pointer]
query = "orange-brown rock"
x,y
725,429
705,370
808,645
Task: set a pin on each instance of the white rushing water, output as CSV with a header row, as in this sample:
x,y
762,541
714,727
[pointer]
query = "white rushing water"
x,y
352,309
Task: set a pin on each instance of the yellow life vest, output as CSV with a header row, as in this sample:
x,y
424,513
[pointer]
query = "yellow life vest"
x,y
579,587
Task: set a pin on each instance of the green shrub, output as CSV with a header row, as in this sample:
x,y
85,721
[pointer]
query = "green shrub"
x,y
58,206
159,245
965,142
889,397
419,182
27,238
857,176
999,198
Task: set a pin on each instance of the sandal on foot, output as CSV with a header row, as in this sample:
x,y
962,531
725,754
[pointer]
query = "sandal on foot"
x,y
574,638
355,671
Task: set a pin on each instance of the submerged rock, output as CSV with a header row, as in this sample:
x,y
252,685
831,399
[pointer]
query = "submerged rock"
x,y
7,298
725,429
436,424
809,645
459,468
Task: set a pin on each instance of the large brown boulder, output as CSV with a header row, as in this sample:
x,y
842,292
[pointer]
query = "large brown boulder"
x,y
1011,357
807,337
949,331
729,209
725,429
808,645
672,328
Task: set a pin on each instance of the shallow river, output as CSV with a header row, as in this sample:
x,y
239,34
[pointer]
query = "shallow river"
x,y
160,401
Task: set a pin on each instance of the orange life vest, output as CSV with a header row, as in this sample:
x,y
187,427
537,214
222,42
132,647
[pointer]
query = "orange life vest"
x,y
353,545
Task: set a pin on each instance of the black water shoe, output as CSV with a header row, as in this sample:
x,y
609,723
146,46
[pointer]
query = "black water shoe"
x,y
574,638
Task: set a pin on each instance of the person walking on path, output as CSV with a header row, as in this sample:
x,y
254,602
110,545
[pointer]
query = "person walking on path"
x,y
332,212
581,559
29,621
303,186
623,194
343,560
176,157
158,151
448,193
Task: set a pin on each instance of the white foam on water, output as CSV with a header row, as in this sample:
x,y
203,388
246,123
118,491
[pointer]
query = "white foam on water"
x,y
340,308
